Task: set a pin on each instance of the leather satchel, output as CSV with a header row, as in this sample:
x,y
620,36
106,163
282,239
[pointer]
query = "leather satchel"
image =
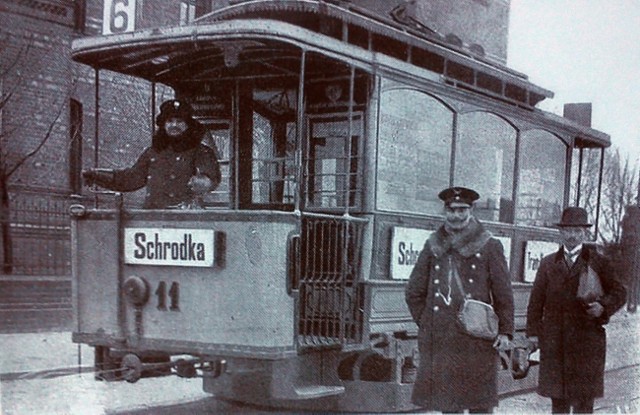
x,y
476,317
589,287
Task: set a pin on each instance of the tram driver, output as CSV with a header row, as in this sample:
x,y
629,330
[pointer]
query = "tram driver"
x,y
177,168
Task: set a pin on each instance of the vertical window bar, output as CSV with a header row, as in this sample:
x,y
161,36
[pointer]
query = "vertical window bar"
x,y
235,150
579,188
597,218
153,107
96,130
300,135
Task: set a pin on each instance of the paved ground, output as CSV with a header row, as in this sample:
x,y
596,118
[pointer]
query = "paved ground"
x,y
31,366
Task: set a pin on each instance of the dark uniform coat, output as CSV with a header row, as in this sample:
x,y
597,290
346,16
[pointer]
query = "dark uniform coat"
x,y
458,371
166,168
572,343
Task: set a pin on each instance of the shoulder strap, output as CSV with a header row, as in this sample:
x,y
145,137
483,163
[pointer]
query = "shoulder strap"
x,y
456,276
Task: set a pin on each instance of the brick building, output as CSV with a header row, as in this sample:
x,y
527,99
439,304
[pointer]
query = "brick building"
x,y
48,114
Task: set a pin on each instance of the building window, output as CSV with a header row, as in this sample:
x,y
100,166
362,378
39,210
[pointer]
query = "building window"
x,y
203,7
79,15
187,12
75,146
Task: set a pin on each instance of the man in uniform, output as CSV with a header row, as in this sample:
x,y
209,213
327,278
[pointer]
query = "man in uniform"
x,y
177,169
458,371
566,321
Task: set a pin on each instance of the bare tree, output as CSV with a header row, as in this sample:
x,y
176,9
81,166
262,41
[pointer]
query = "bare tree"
x,y
13,79
618,191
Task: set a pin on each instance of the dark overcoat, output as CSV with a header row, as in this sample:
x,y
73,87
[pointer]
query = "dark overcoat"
x,y
457,371
165,169
572,343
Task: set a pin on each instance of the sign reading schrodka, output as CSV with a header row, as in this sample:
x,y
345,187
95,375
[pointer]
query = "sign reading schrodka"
x,y
118,16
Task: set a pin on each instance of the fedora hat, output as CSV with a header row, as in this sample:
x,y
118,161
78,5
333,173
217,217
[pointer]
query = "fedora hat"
x,y
574,216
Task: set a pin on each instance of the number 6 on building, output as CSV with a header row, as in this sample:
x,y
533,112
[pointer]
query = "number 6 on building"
x,y
118,16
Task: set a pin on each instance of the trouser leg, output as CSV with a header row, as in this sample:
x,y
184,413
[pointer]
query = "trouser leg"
x,y
583,406
559,406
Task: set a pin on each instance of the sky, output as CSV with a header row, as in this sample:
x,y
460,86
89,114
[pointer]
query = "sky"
x,y
583,51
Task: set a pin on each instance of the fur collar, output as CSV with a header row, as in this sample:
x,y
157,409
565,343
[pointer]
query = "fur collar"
x,y
467,242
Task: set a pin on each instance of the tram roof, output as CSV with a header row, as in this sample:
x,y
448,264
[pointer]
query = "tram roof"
x,y
172,55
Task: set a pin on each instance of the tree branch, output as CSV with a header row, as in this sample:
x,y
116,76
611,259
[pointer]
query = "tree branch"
x,y
45,138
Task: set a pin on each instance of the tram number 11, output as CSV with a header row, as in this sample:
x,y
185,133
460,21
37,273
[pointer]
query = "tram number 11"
x,y
174,296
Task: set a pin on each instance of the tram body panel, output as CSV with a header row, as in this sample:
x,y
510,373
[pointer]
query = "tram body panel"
x,y
212,305
95,276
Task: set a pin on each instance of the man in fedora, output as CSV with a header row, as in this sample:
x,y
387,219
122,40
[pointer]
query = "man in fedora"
x,y
458,371
565,317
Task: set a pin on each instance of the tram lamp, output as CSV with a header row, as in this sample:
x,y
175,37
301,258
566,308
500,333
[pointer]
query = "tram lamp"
x,y
136,290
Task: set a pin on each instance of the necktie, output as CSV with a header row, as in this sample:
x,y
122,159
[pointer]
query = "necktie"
x,y
571,257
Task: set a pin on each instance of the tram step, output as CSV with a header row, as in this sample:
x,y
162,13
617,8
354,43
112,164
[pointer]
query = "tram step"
x,y
317,391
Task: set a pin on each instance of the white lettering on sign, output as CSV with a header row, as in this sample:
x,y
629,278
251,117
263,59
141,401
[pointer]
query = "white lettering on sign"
x,y
406,245
176,247
534,251
118,16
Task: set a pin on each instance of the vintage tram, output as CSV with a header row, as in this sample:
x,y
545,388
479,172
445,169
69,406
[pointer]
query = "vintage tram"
x,y
335,132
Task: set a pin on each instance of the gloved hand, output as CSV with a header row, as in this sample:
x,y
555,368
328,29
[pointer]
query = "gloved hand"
x,y
200,183
595,309
502,343
97,176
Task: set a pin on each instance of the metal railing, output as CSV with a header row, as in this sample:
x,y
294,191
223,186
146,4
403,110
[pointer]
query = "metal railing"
x,y
331,297
38,240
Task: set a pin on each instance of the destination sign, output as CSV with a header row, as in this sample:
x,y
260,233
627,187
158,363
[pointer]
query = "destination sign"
x,y
534,251
406,244
173,247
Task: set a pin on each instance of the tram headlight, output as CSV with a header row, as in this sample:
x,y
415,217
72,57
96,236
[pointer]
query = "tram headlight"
x,y
136,290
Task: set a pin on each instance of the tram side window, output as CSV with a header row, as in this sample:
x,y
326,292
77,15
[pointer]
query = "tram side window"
x,y
414,151
485,158
541,178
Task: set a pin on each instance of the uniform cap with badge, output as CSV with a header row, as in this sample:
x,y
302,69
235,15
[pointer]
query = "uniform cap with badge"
x,y
458,196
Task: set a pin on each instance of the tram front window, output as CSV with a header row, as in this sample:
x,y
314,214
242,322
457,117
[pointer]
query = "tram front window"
x,y
273,150
266,144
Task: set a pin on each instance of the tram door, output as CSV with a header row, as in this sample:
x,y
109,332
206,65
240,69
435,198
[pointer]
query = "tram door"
x,y
329,314
316,167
